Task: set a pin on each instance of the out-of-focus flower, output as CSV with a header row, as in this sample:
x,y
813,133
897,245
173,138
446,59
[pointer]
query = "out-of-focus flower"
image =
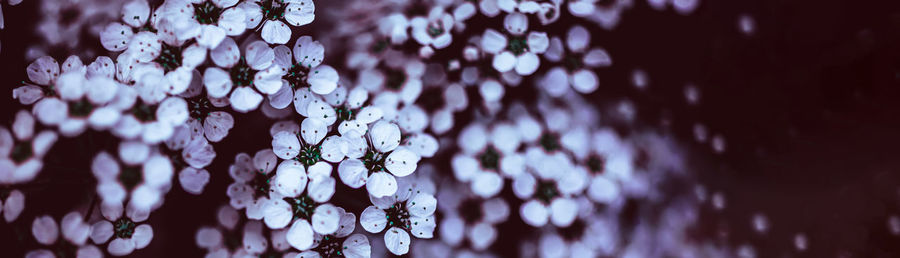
x,y
468,217
516,51
140,173
21,157
578,63
72,228
433,30
488,156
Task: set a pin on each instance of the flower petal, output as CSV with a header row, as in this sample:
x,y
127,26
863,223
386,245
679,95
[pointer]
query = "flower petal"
x,y
275,32
325,219
373,219
402,162
397,241
245,99
381,184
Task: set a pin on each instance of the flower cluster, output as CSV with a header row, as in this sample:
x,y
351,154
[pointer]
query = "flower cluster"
x,y
432,127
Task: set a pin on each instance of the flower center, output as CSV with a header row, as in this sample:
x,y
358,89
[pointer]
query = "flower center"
x,y
489,158
241,73
130,176
144,112
395,79
344,113
517,45
309,155
550,13
123,227
200,107
550,142
302,206
233,240
435,29
379,46
207,12
470,210
330,246
398,216
573,62
81,108
261,183
596,163
546,191
296,76
574,231
69,15
374,161
169,58
21,151
273,9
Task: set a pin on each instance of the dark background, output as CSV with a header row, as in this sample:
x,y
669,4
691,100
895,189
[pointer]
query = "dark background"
x,y
808,106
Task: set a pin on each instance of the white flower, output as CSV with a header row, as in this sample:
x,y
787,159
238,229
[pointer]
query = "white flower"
x,y
470,217
249,74
275,13
369,164
312,149
190,148
213,238
338,242
518,51
117,36
140,172
209,22
310,218
206,118
485,161
251,187
21,155
408,212
302,75
72,228
71,101
579,62
402,77
126,231
433,30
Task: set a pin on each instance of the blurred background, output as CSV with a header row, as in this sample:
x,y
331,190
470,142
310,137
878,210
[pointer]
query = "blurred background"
x,y
807,105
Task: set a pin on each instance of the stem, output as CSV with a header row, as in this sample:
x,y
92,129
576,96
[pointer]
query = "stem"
x,y
91,207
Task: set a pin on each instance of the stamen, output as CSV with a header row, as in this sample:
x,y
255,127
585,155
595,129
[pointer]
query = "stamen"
x,y
374,160
123,227
517,45
207,13
302,206
242,74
